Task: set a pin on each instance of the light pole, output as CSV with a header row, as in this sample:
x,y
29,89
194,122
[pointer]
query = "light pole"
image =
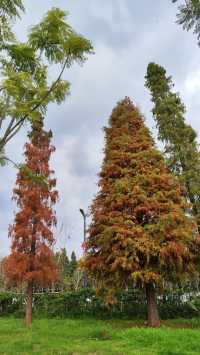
x,y
84,222
85,215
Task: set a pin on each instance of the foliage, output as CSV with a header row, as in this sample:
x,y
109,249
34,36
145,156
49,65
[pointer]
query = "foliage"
x,y
62,261
69,273
140,232
9,10
73,263
179,138
31,258
189,16
26,86
131,304
2,279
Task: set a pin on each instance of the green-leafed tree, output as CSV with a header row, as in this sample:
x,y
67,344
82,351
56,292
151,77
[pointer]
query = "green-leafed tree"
x,y
188,16
179,138
140,231
26,85
9,10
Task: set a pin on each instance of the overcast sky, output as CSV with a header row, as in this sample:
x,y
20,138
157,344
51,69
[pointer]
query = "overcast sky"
x,y
126,36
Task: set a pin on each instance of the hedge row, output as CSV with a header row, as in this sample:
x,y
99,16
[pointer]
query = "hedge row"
x,y
85,303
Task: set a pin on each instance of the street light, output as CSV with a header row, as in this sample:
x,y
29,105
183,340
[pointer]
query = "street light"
x,y
85,215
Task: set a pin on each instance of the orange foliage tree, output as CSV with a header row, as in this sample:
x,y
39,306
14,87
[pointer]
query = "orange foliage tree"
x,y
141,233
31,260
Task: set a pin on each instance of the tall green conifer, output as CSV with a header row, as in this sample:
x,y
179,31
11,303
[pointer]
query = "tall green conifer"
x,y
62,262
73,263
140,233
179,138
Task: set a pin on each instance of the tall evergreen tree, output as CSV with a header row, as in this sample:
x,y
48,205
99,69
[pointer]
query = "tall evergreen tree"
x,y
62,262
179,138
188,16
32,261
73,263
140,232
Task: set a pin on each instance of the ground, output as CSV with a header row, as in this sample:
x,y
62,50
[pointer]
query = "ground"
x,y
73,337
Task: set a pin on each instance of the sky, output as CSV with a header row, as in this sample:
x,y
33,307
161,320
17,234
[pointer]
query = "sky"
x,y
126,36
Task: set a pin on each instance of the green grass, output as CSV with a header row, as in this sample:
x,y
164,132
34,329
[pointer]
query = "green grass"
x,y
99,337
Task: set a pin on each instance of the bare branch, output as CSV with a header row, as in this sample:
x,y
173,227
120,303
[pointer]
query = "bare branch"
x,y
1,121
8,130
9,137
11,161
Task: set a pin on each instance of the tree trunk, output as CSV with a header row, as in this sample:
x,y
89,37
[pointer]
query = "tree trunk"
x,y
152,309
29,304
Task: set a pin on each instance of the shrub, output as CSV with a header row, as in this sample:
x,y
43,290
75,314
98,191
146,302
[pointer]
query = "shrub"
x,y
85,303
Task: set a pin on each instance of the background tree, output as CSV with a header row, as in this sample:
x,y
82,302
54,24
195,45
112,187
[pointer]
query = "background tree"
x,y
31,260
2,279
63,263
189,16
179,138
26,88
73,263
71,277
140,232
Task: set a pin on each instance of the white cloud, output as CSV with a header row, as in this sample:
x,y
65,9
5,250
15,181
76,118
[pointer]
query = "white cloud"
x,y
192,83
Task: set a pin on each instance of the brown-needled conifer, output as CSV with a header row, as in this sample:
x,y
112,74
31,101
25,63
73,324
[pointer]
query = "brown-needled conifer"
x,y
140,233
31,261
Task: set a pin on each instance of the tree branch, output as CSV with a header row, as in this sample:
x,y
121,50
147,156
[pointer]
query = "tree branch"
x,y
19,123
11,161
13,134
7,132
1,121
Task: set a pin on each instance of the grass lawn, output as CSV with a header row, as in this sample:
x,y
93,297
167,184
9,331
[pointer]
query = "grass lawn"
x,y
91,336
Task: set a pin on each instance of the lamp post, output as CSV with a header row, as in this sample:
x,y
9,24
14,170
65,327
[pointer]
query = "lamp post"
x,y
85,215
84,222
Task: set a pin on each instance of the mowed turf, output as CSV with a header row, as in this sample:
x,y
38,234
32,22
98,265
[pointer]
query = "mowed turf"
x,y
52,336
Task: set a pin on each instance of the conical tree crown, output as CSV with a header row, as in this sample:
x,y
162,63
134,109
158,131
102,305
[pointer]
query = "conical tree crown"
x,y
31,258
140,231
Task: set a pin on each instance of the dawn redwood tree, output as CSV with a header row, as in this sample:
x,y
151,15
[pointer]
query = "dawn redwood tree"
x,y
179,138
32,261
140,232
